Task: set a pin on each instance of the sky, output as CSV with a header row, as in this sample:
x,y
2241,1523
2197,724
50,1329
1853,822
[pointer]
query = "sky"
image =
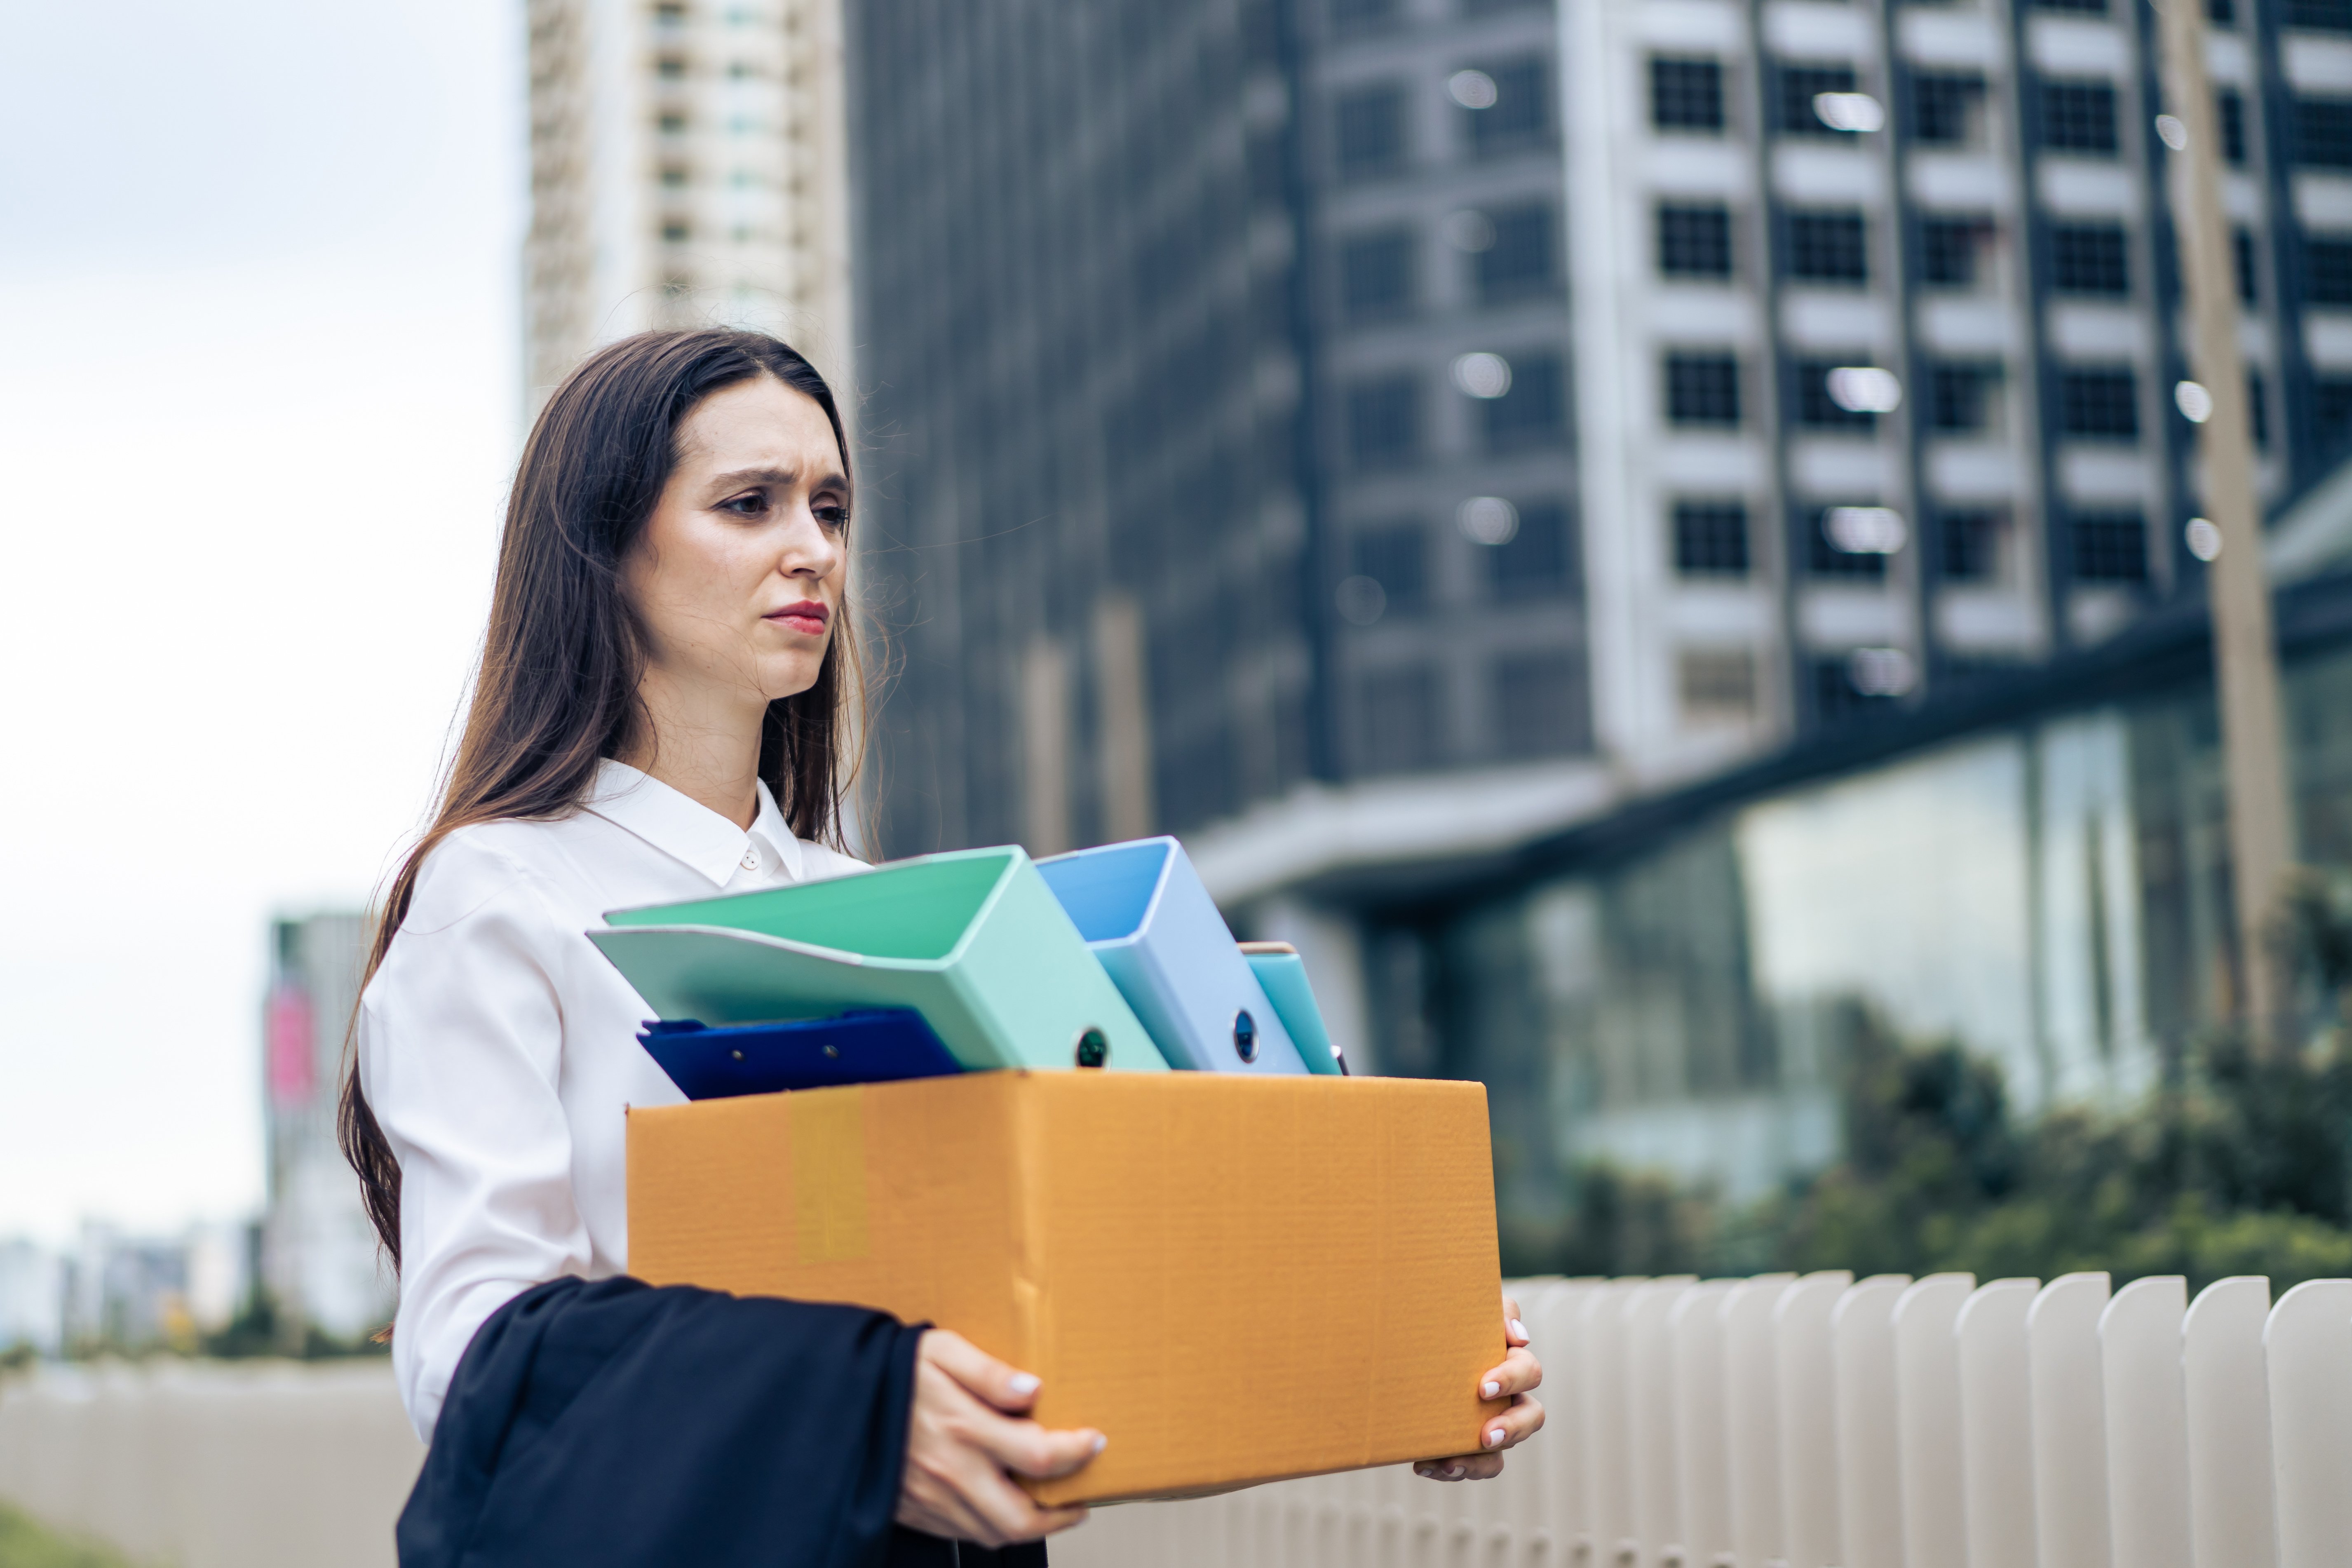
x,y
258,403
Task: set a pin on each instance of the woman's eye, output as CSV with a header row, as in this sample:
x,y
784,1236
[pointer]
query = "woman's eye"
x,y
831,515
746,505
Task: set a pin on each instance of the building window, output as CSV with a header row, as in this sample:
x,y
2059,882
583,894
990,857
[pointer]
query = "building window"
x,y
676,232
1711,538
1948,248
2331,405
1837,700
1394,555
1686,94
2323,132
1384,421
1702,389
2110,547
1535,562
669,13
1519,117
1539,705
1800,85
1960,397
2229,108
1370,141
1943,107
1519,261
1397,717
2327,271
671,124
673,175
1825,557
2326,15
2103,404
1693,241
2089,258
2241,262
1816,409
1716,686
1376,275
670,68
1529,414
2079,116
1971,542
2222,13
2258,409
1828,247
2097,8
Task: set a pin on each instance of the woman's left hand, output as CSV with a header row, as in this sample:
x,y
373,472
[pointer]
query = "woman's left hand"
x,y
1515,1380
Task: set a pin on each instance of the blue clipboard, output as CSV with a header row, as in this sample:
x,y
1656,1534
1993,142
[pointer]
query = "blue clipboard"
x,y
877,1044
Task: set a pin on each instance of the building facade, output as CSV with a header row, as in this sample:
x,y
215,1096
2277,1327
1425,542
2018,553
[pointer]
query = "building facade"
x,y
319,1254
1367,436
686,160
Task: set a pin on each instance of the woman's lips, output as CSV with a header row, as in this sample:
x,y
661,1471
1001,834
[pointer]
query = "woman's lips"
x,y
808,618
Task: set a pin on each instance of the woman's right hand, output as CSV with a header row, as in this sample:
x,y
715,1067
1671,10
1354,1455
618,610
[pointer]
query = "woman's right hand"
x,y
968,1436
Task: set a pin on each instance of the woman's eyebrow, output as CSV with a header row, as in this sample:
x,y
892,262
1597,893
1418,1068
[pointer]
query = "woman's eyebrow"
x,y
774,476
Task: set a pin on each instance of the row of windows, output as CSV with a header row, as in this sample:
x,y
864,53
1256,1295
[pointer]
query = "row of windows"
x,y
1703,390
1539,703
1372,125
1712,540
1350,14
1538,561
1386,414
1511,256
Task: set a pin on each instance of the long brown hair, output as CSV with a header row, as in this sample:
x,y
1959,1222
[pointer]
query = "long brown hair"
x,y
556,692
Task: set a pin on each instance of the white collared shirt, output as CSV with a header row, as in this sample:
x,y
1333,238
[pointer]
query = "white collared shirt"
x,y
498,1048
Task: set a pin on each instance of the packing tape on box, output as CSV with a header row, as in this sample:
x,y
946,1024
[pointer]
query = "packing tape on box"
x,y
829,1175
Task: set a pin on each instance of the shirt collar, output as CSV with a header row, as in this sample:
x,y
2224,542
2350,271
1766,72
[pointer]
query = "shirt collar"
x,y
684,828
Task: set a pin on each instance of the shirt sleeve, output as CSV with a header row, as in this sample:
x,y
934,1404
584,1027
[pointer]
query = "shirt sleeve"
x,y
460,1047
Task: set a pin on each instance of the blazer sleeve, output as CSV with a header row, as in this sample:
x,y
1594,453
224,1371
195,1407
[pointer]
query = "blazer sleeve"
x,y
615,1423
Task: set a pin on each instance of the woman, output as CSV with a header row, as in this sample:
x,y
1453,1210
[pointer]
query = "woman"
x,y
665,692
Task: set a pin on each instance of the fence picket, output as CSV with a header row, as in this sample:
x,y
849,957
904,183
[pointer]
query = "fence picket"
x,y
1751,1403
2307,1345
1608,1472
2226,1395
1560,1451
2070,1432
1703,1460
1927,1420
1809,1498
1996,1424
1869,1473
1650,1417
2147,1423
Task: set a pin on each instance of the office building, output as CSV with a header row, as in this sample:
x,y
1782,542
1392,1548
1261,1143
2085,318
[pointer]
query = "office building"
x,y
318,1259
685,171
32,1298
1368,437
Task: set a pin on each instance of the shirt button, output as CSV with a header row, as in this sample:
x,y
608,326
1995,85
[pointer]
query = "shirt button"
x,y
751,856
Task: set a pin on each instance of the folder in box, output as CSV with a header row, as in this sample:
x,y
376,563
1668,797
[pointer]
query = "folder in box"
x,y
972,939
1283,975
1142,910
873,1044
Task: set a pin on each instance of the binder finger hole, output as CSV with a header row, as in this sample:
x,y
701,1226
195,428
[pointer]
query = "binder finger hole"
x,y
1093,1048
1245,1036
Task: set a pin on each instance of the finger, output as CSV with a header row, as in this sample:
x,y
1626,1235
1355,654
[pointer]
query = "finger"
x,y
1461,1467
1519,1374
1039,1452
1522,1421
1007,1388
1012,1514
1514,1330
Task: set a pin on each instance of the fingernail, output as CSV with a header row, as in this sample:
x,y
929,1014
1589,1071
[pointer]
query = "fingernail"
x,y
1023,1383
1519,1327
1489,1389
1423,1471
1494,1437
1455,1473
1101,1442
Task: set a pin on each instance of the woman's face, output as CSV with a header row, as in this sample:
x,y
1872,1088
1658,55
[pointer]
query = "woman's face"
x,y
738,575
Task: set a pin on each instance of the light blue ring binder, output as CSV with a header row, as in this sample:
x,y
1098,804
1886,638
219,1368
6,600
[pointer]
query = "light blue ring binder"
x,y
1143,912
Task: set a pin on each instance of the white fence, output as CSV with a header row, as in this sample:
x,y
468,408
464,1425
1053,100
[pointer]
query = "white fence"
x,y
1823,1422
1806,1423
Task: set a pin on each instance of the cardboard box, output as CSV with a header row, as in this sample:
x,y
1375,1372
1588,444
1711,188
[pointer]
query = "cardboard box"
x,y
1236,1277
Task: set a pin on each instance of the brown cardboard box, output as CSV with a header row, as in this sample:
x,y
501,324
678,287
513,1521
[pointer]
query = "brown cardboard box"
x,y
1236,1277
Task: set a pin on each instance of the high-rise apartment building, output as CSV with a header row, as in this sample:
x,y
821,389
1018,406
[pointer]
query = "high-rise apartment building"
x,y
686,169
1362,434
318,1251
